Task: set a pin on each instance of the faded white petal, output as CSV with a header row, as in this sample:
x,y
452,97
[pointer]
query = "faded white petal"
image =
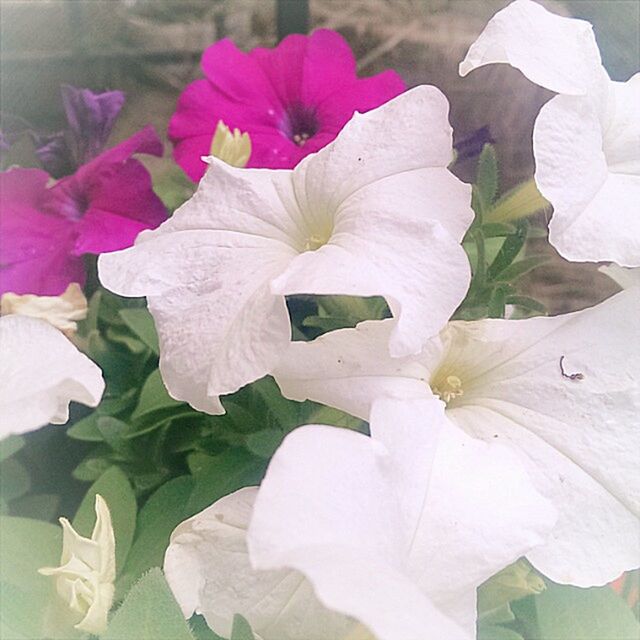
x,y
626,278
41,372
557,53
63,311
208,569
85,577
360,517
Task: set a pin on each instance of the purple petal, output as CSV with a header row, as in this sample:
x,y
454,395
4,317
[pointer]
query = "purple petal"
x,y
91,117
54,153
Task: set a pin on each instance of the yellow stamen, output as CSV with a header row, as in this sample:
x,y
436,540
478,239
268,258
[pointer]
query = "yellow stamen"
x,y
233,148
448,389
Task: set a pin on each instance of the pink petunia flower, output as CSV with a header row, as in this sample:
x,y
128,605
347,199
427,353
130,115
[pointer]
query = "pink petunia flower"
x,y
292,100
45,229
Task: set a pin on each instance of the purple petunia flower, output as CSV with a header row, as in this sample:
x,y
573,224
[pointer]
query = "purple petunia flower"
x,y
91,117
292,100
45,229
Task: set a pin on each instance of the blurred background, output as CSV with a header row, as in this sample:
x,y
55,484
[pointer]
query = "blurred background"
x,y
151,49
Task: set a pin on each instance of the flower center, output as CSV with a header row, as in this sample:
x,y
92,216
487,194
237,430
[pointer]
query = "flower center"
x,y
447,388
299,123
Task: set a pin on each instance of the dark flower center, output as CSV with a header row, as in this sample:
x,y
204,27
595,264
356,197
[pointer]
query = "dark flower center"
x,y
299,123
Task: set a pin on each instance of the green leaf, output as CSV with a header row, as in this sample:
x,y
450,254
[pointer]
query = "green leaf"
x,y
14,479
530,304
31,608
154,396
487,176
141,323
571,613
491,632
42,506
201,630
92,467
509,251
220,475
497,230
497,302
265,442
10,445
86,429
161,514
149,612
518,269
114,487
241,629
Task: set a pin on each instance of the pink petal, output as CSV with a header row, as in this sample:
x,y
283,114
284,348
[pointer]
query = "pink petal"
x,y
144,141
34,251
121,205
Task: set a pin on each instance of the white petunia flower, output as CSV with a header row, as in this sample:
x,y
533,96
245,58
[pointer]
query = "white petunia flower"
x,y
563,392
376,212
398,529
586,140
63,311
208,569
84,579
41,371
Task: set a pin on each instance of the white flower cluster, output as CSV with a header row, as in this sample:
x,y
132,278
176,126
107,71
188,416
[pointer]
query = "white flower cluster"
x,y
490,440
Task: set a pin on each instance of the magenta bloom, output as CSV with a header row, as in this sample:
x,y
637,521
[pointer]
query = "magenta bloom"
x,y
292,100
45,230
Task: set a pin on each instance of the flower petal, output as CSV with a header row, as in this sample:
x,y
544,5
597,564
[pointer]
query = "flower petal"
x,y
205,272
626,278
594,217
208,569
423,284
577,437
349,369
357,516
557,53
41,373
376,145
35,251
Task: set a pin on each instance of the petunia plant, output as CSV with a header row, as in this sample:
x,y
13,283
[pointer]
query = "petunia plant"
x,y
320,400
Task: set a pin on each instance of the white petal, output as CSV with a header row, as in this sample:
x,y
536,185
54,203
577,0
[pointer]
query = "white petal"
x,y
350,368
408,133
218,341
41,372
621,120
358,516
207,567
423,283
595,213
626,278
555,52
579,438
205,272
